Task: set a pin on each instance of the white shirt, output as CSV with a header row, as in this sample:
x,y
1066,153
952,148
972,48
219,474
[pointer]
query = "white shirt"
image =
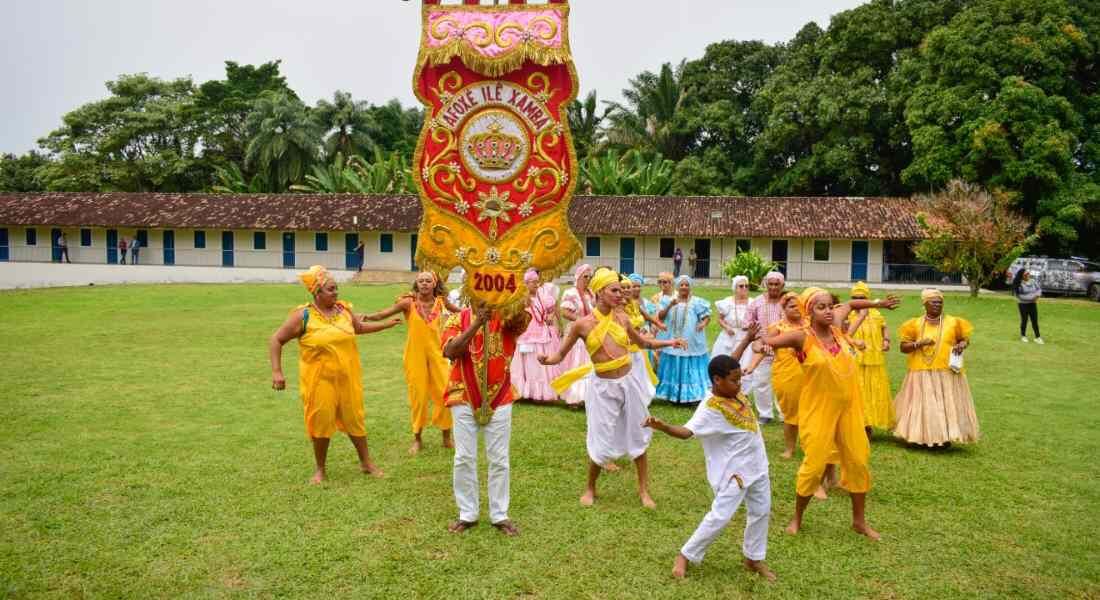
x,y
729,449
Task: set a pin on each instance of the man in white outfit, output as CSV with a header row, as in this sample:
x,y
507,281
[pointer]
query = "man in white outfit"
x,y
766,310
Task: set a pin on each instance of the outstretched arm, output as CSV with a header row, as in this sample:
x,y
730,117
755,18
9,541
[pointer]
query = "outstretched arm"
x,y
648,342
675,431
563,350
751,333
840,311
790,339
290,329
362,327
401,306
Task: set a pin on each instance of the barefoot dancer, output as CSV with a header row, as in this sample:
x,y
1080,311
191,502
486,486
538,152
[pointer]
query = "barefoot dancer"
x,y
426,371
830,409
465,344
329,378
737,465
615,403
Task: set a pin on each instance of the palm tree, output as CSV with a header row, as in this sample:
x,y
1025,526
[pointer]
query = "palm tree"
x,y
348,123
584,123
650,118
284,141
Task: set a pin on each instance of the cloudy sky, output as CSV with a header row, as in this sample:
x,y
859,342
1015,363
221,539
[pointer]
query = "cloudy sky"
x,y
56,54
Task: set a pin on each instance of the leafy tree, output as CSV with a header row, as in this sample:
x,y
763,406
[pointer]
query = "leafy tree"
x,y
223,107
348,123
386,175
284,139
584,124
970,231
651,119
631,174
141,138
20,173
231,180
396,127
751,265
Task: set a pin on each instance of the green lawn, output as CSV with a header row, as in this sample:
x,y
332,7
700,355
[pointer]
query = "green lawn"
x,y
146,455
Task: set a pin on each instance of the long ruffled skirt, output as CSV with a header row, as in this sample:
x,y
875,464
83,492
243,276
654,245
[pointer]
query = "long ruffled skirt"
x,y
934,408
683,379
531,378
878,407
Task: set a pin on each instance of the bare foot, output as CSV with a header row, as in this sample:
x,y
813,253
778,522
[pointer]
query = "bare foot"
x,y
415,448
589,498
787,454
448,442
372,469
865,529
794,526
611,467
680,567
647,500
318,477
820,493
758,566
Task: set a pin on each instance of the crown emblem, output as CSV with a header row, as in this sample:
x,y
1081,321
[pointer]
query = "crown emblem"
x,y
494,149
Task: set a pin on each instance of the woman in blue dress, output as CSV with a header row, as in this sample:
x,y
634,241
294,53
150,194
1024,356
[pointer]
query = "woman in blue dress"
x,y
683,372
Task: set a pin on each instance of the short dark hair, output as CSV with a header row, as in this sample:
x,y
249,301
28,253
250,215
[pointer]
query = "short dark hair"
x,y
721,366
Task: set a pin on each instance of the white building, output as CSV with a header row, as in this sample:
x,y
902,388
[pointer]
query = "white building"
x,y
813,239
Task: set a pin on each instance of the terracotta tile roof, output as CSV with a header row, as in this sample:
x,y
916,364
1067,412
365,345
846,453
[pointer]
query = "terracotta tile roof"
x,y
825,217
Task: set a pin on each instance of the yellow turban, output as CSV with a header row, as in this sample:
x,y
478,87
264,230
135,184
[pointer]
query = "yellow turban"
x,y
929,294
861,289
315,278
806,298
602,279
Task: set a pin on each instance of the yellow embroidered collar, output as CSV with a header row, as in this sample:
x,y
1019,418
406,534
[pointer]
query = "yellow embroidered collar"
x,y
737,411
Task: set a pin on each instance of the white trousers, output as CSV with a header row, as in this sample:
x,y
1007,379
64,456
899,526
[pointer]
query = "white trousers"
x,y
498,434
758,505
762,394
614,412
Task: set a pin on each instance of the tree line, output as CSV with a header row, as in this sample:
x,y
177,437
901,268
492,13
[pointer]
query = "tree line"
x,y
895,97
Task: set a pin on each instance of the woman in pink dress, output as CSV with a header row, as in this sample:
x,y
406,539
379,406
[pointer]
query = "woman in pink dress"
x,y
530,378
577,302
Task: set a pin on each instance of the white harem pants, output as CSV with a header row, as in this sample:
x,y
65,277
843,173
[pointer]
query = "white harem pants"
x,y
615,410
762,394
758,504
498,434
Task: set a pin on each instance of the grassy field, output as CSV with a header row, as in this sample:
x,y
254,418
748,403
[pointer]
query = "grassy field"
x,y
147,456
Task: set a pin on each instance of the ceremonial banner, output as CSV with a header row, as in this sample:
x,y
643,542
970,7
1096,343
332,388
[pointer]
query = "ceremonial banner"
x,y
495,164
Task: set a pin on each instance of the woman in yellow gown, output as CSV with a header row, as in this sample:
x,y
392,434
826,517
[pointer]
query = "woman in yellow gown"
x,y
870,329
786,371
426,371
329,376
830,408
934,405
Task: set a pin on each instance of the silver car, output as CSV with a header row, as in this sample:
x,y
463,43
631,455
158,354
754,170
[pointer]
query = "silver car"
x,y
1070,276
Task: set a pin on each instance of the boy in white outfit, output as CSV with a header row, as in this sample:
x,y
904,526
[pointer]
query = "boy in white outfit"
x,y
737,465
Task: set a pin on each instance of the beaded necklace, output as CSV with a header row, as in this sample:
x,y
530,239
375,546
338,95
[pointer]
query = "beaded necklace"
x,y
332,321
830,358
926,357
678,330
427,315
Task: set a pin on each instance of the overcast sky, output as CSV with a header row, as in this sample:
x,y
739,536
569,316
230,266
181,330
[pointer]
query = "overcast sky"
x,y
56,54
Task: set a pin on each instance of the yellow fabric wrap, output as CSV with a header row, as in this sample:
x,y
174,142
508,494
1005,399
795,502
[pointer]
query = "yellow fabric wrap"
x,y
806,297
861,289
314,278
605,326
930,294
602,279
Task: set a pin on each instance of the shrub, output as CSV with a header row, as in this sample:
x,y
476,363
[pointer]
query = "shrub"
x,y
751,265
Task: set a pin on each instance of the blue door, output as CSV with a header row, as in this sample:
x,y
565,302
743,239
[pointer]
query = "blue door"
x,y
112,246
859,260
626,255
3,245
55,245
288,249
169,247
412,251
227,248
351,258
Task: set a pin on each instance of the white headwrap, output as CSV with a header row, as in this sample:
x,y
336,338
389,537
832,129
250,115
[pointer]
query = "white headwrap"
x,y
737,280
775,275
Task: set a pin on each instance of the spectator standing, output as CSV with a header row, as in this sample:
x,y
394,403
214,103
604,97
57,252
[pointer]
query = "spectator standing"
x,y
677,260
63,245
121,250
135,245
1027,291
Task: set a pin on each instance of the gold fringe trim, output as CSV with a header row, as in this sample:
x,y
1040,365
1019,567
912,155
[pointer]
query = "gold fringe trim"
x,y
491,66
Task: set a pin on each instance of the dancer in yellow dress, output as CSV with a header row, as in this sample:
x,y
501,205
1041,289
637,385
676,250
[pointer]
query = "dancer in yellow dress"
x,y
934,405
786,371
426,371
870,329
830,409
329,377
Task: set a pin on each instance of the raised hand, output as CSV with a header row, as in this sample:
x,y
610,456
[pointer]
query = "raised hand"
x,y
891,302
753,331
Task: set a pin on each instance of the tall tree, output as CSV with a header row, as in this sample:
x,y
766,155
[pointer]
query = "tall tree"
x,y
584,124
20,173
143,137
348,124
396,127
651,119
285,141
224,105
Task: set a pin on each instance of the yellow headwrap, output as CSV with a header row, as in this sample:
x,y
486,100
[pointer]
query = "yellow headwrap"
x,y
806,298
861,289
930,293
315,278
602,279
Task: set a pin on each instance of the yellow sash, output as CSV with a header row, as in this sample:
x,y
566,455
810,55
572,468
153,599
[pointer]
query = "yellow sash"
x,y
605,326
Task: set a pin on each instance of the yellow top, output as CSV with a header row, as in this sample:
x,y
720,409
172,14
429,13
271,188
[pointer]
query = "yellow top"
x,y
606,326
423,341
786,364
327,351
870,333
936,357
829,379
634,312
